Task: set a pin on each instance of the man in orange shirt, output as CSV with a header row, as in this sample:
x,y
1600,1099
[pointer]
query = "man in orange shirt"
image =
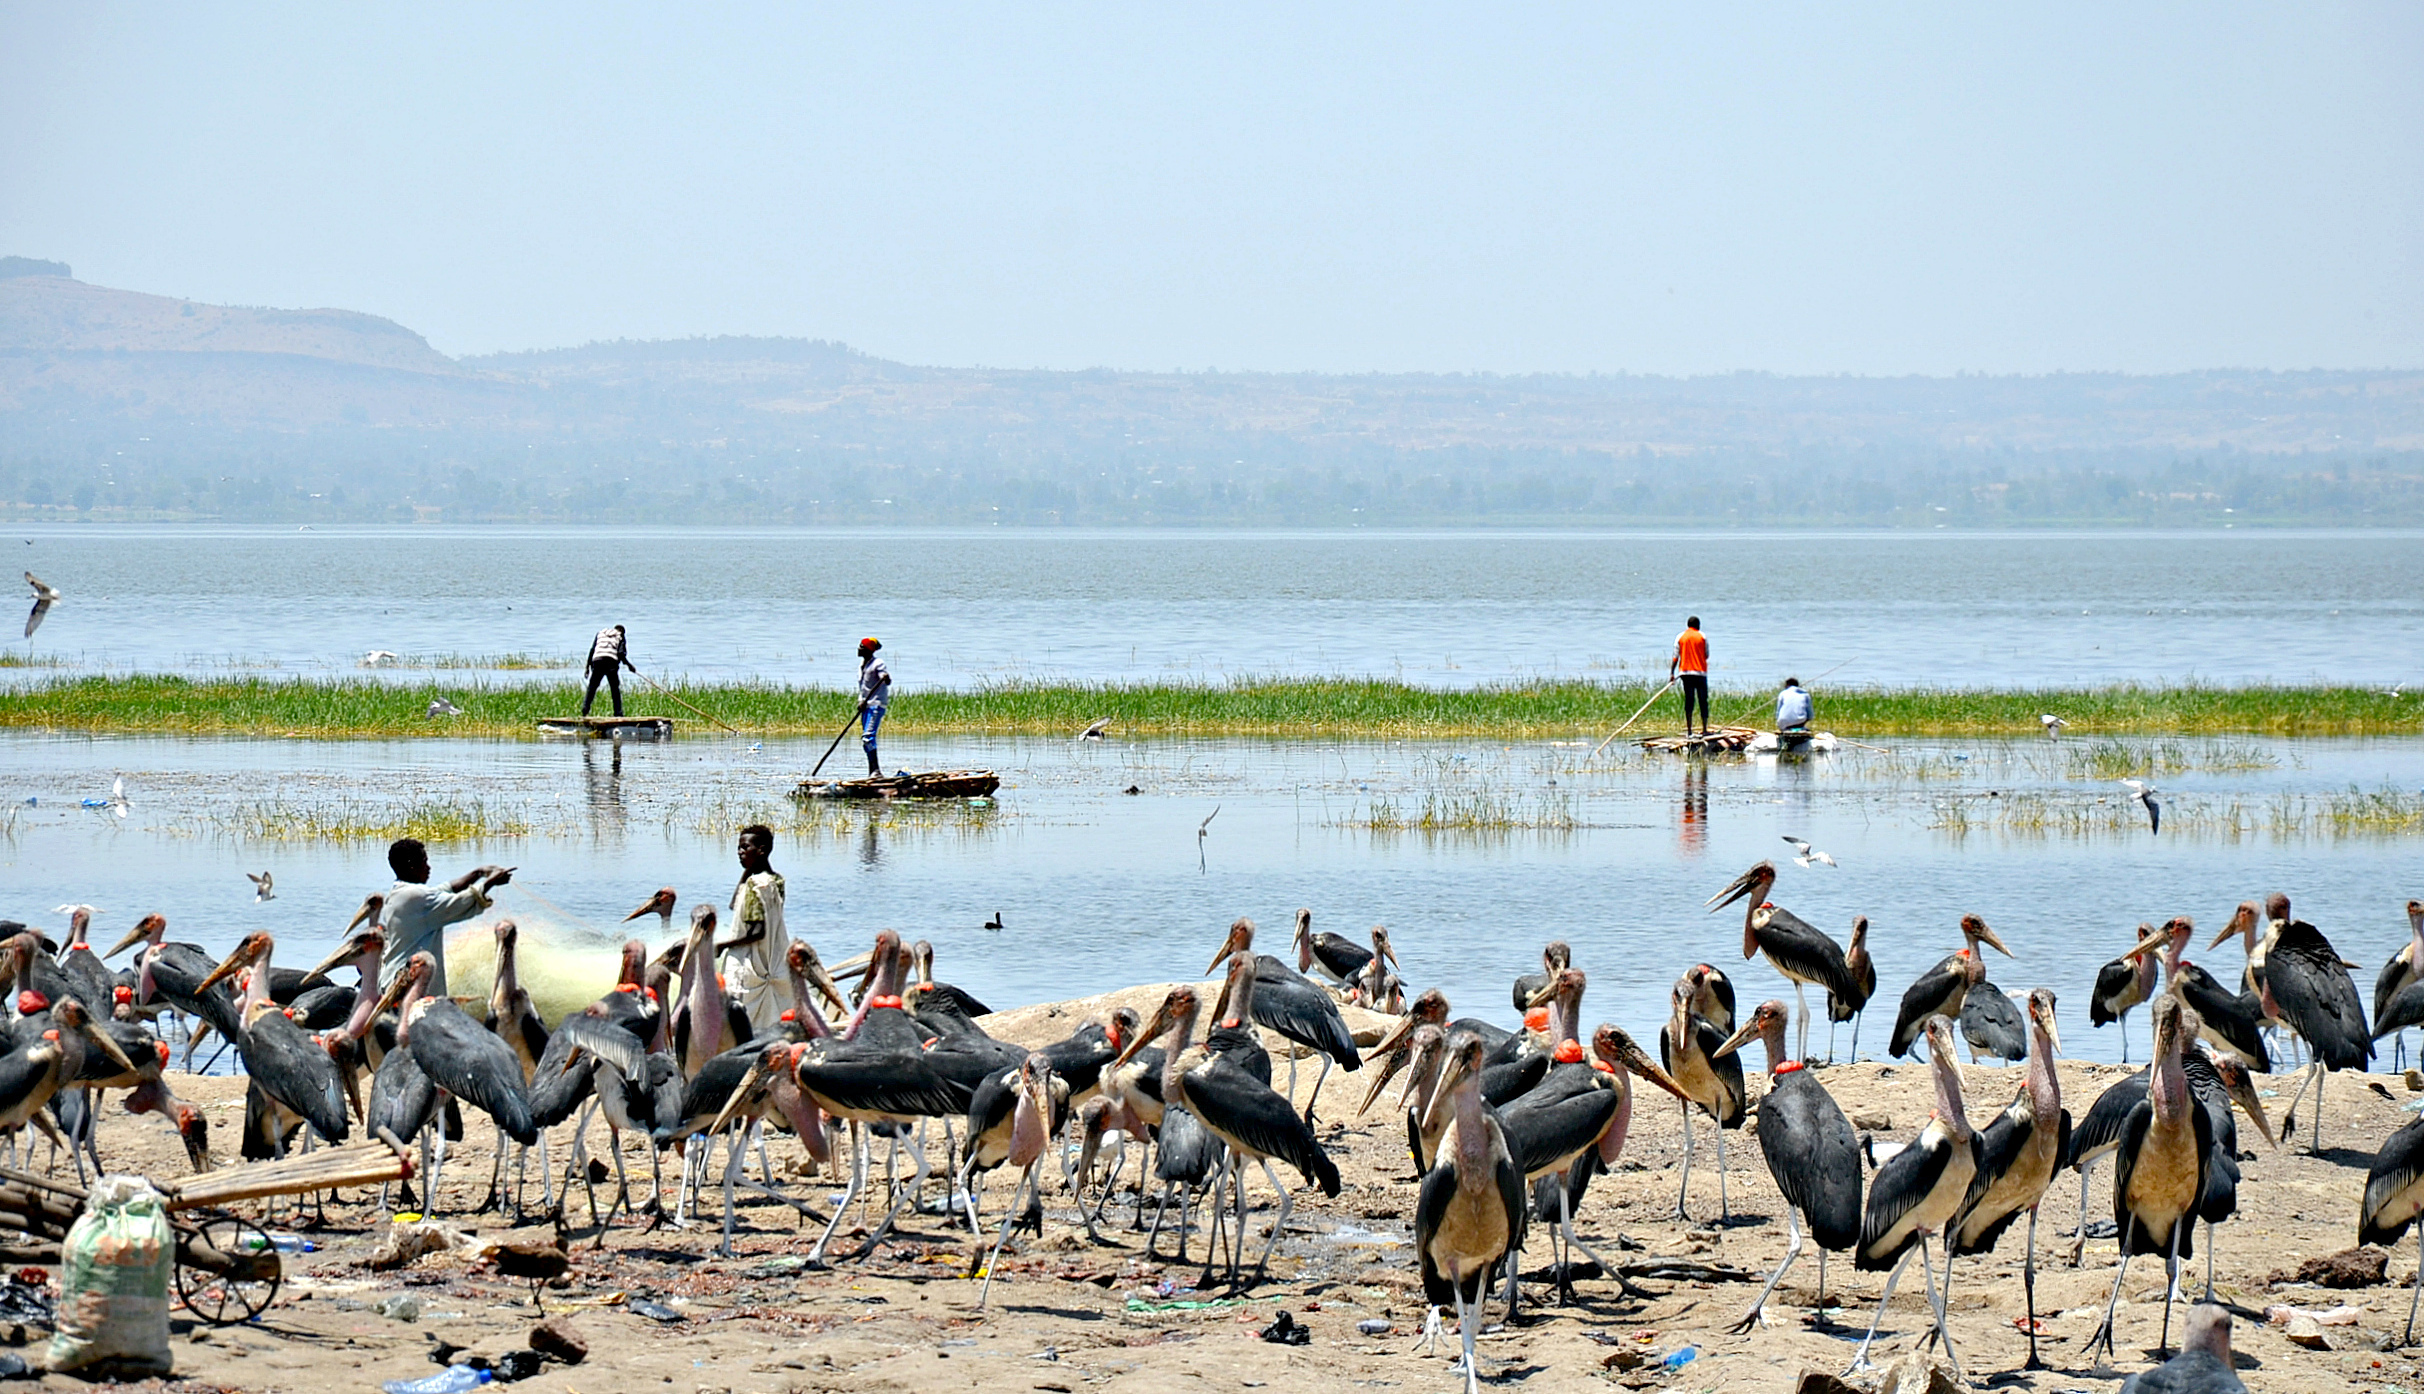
x,y
1691,663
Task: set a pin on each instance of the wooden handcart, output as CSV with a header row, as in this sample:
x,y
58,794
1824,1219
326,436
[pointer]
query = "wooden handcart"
x,y
228,1268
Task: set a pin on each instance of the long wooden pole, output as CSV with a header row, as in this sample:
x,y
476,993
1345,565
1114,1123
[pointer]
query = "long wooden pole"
x,y
652,682
837,744
1628,721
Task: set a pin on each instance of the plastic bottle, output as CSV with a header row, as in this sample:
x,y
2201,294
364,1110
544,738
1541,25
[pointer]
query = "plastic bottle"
x,y
454,1379
1676,1359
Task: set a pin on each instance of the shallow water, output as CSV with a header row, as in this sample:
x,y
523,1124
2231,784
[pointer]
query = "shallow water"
x,y
1099,889
957,608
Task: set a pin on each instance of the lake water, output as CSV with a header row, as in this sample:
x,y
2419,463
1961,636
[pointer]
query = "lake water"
x,y
1098,888
959,608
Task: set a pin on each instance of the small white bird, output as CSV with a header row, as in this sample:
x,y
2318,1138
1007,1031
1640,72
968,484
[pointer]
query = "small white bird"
x,y
2053,725
441,707
45,596
379,658
261,888
1202,831
1095,731
1804,854
2144,793
91,911
117,796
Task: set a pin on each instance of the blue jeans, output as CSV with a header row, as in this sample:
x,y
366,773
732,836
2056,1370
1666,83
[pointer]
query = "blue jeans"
x,y
870,717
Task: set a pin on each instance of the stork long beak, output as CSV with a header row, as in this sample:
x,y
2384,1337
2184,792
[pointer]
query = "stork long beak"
x,y
648,909
1388,950
1742,885
2154,942
2245,1098
394,992
1543,997
1391,1063
2229,931
2053,1033
855,966
368,909
823,982
1149,1033
102,1042
132,937
243,955
339,956
1987,935
1393,1042
1735,1042
743,1092
1451,1074
1638,1062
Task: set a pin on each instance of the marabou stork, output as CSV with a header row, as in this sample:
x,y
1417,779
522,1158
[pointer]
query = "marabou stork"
x,y
1512,1066
1295,1006
2018,1153
1255,1122
2405,969
2122,984
1811,1154
921,958
78,963
517,1023
2232,1021
1425,1057
1992,1025
1576,1119
173,973
2307,986
1919,1190
2219,1080
1941,990
2203,1365
1035,1118
706,1019
2163,1161
1334,956
1690,1045
1841,1008
1186,1156
289,1070
1793,945
403,1101
661,905
1469,1213
35,1070
465,1060
2394,1196
1555,956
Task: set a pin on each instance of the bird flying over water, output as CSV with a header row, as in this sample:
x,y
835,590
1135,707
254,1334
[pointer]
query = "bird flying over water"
x,y
117,796
2144,793
1804,854
1095,731
2053,725
261,890
378,658
1202,831
439,706
45,596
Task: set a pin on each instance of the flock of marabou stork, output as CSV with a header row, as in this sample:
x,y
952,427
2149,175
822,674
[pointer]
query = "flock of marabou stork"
x,y
1504,1128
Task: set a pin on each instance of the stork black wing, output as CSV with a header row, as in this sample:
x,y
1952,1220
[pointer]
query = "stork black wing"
x,y
2318,997
1814,1157
1244,1113
474,1066
295,1070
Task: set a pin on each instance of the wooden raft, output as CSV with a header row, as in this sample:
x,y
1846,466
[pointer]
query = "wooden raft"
x,y
1732,740
618,728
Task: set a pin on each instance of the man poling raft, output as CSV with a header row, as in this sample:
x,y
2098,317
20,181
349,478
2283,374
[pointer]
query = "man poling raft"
x,y
874,695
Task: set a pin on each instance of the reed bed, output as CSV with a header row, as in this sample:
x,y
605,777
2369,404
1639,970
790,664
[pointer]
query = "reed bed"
x,y
432,821
1309,708
2383,813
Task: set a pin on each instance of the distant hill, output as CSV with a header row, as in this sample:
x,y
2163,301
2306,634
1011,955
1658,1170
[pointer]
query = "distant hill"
x,y
120,404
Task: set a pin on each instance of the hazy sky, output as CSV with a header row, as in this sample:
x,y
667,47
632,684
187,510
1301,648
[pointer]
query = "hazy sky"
x,y
1933,189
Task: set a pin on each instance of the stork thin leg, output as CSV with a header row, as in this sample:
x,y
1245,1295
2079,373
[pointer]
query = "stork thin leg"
x,y
1686,1192
1315,1097
1725,1207
1860,1360
2079,1239
1855,1042
736,1161
1287,1202
917,1183
2209,1260
1938,1299
1801,1000
2317,1068
1822,1324
2104,1334
2417,1293
2028,1282
2171,1280
1757,1316
1027,1184
858,1181
1468,1320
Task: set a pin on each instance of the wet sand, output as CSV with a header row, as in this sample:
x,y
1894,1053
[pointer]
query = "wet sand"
x,y
1068,1313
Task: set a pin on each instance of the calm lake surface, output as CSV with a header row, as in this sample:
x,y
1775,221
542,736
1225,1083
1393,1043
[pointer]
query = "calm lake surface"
x,y
1098,888
959,608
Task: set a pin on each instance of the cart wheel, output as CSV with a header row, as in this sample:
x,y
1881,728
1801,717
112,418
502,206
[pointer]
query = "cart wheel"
x,y
227,1300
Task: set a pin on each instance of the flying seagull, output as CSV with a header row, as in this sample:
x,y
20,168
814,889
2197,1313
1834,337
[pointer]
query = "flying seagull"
x,y
2053,726
1202,831
2144,793
117,796
1804,854
439,706
1095,731
45,596
261,890
379,658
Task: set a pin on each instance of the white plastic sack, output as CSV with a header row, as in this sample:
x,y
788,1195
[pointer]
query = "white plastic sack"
x,y
113,1281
